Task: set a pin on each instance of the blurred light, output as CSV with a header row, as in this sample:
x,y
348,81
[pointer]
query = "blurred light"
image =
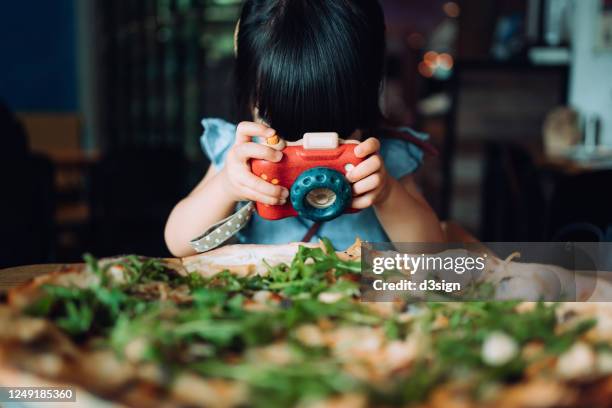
x,y
431,59
415,41
452,9
436,65
445,61
442,74
425,70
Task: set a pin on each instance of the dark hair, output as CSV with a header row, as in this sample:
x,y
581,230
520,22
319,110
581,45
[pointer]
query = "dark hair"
x,y
312,65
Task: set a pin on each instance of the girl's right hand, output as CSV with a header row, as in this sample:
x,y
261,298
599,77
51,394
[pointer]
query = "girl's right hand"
x,y
242,183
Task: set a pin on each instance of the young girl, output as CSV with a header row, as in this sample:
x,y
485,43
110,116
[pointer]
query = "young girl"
x,y
308,66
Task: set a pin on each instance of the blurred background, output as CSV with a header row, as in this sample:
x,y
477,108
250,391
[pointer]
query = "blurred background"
x,y
102,102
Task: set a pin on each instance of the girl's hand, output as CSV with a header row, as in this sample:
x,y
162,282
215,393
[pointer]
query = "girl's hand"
x,y
242,184
370,179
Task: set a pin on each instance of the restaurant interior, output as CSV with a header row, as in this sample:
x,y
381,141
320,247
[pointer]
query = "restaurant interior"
x,y
101,103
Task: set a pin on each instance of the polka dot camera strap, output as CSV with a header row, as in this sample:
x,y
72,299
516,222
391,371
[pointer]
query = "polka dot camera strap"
x,y
222,231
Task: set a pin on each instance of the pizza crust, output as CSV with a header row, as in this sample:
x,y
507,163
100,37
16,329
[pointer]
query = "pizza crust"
x,y
243,260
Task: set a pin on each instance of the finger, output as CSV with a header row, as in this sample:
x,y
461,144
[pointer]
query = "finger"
x,y
259,197
369,183
245,131
252,150
368,166
260,185
367,147
364,201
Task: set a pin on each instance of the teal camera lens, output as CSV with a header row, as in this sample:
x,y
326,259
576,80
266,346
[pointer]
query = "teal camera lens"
x,y
321,194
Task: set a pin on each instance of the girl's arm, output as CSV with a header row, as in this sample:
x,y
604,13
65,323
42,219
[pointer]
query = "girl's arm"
x,y
217,194
401,209
196,212
405,214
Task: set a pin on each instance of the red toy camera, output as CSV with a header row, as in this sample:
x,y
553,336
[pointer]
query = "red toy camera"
x,y
313,169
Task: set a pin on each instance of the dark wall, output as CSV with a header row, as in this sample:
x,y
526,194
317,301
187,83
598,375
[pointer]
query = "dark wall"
x,y
38,66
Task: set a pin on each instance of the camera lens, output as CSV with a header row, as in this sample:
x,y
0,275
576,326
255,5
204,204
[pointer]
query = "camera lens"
x,y
321,198
320,194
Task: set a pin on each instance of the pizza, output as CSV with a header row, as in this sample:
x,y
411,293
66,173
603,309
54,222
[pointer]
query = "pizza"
x,y
280,326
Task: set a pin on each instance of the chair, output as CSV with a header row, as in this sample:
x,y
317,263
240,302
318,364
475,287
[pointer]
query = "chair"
x,y
131,195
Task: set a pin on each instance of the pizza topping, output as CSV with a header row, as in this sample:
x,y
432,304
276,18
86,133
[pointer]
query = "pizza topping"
x,y
310,335
262,296
330,297
117,274
135,350
192,389
105,364
278,353
604,362
577,362
498,349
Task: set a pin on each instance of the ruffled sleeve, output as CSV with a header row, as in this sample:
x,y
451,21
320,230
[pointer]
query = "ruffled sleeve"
x,y
217,139
400,156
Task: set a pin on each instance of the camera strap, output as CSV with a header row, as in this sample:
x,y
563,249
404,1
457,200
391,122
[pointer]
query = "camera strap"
x,y
224,230
221,232
312,231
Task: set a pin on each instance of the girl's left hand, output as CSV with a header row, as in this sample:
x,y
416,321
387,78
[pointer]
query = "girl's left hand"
x,y
370,179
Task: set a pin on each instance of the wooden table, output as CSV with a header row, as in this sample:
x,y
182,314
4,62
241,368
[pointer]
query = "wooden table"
x,y
12,277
